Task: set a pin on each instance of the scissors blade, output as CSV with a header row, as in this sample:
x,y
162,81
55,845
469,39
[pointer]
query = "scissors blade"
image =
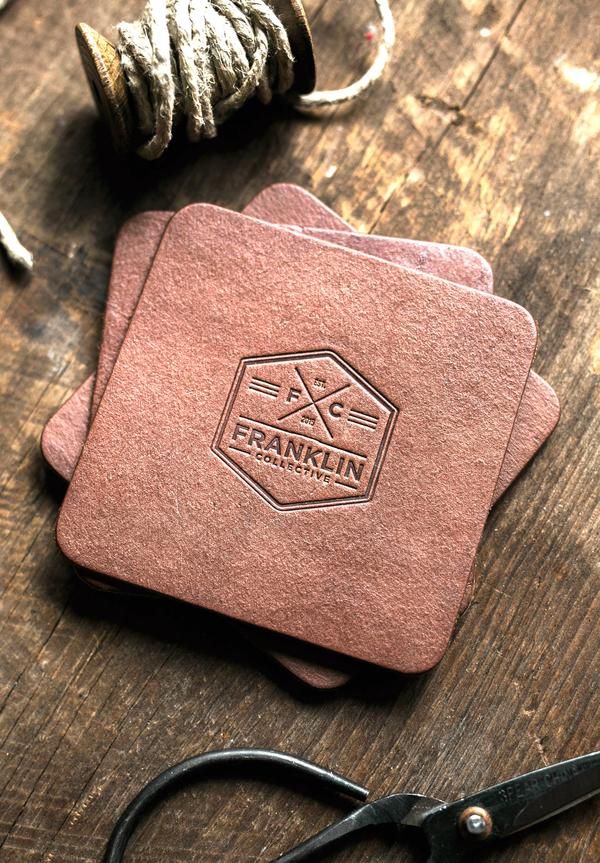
x,y
516,804
560,787
397,810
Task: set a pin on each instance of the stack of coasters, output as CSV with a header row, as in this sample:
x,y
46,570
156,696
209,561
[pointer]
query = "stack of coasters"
x,y
302,428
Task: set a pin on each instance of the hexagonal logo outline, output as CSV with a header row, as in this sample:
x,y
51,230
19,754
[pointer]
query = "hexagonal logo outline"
x,y
390,409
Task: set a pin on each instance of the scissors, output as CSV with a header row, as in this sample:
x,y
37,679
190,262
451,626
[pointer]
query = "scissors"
x,y
454,831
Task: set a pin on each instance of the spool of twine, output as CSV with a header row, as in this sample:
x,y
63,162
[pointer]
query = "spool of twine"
x,y
198,61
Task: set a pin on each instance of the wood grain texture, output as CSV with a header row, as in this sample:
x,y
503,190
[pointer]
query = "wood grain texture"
x,y
485,132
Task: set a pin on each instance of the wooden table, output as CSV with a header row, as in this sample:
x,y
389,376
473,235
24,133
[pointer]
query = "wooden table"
x,y
486,132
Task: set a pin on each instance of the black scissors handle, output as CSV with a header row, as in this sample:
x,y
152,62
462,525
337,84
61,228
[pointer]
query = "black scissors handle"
x,y
201,766
453,830
399,811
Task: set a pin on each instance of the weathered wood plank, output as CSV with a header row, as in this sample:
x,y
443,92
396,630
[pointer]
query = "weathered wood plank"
x,y
487,132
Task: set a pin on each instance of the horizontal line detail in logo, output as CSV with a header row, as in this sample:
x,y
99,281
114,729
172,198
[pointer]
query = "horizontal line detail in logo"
x,y
267,384
346,485
359,422
362,416
237,449
263,391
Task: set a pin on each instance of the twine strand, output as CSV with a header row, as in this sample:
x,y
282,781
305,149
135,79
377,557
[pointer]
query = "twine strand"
x,y
15,250
325,98
203,59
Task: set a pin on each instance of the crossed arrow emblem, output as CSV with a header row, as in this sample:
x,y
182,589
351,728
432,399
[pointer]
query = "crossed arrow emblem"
x,y
313,402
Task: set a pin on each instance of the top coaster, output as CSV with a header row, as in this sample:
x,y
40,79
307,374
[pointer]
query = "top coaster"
x,y
318,433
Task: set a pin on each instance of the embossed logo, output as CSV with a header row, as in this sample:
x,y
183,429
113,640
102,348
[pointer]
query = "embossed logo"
x,y
305,430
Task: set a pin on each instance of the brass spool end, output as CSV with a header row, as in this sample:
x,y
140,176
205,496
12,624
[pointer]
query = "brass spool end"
x,y
106,79
293,17
108,85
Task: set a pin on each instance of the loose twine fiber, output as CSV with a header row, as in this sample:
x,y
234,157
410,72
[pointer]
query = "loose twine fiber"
x,y
15,250
9,241
202,60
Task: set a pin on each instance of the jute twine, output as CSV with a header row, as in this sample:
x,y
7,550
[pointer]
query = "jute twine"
x,y
202,59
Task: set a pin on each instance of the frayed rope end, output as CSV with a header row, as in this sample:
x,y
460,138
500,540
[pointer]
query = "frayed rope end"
x,y
15,250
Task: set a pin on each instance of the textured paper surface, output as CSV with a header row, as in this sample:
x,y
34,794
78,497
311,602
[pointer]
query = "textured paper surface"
x,y
137,243
454,361
539,411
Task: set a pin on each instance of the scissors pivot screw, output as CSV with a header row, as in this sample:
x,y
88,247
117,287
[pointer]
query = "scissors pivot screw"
x,y
476,822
